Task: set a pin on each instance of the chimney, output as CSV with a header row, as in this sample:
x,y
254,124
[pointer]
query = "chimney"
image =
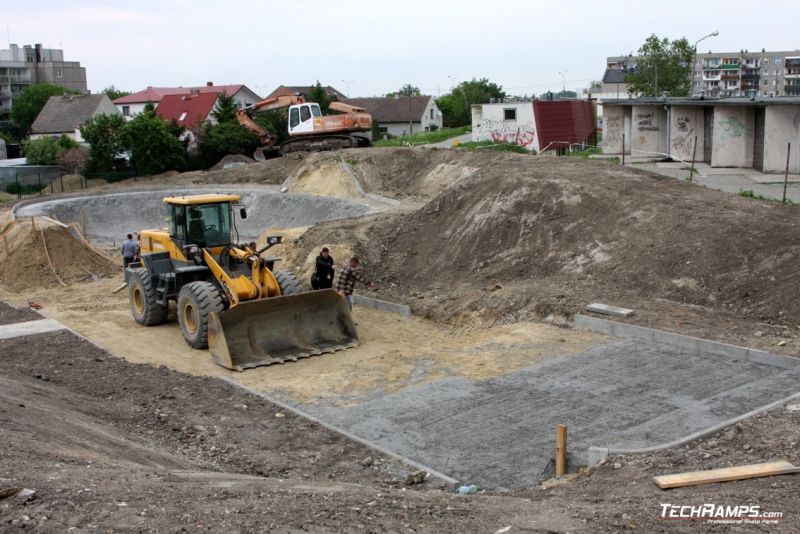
x,y
209,84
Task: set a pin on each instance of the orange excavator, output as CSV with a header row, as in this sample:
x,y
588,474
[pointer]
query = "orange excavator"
x,y
309,130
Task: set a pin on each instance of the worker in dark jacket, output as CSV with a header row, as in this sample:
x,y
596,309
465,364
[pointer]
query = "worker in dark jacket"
x,y
324,272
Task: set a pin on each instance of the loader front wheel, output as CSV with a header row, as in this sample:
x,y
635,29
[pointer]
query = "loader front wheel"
x,y
288,283
142,297
195,301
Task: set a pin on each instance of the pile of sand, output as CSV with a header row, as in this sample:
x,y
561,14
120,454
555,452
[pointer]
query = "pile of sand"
x,y
39,252
331,179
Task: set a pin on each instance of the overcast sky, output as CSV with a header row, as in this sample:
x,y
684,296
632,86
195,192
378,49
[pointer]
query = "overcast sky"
x,y
373,47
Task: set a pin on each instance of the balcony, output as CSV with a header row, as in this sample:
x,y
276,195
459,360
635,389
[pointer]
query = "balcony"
x,y
751,77
792,63
730,76
729,66
15,79
711,67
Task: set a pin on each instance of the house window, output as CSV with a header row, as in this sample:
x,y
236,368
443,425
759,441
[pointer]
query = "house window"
x,y
59,73
509,114
383,129
777,61
126,111
182,117
431,113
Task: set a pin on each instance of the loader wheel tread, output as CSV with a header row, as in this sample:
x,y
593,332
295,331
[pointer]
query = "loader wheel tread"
x,y
142,298
196,301
288,283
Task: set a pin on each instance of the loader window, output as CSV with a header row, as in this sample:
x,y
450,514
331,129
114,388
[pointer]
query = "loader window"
x,y
294,117
177,222
305,113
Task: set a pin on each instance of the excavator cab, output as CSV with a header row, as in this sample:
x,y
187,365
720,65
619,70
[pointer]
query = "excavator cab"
x,y
301,118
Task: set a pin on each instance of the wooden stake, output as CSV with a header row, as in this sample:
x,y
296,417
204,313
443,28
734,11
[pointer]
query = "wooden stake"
x,y
786,172
561,450
5,242
44,244
694,154
83,223
120,288
623,149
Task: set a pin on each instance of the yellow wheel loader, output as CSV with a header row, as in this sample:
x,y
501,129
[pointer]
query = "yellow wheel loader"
x,y
228,297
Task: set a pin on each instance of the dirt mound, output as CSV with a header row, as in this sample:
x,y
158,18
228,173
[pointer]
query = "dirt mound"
x,y
512,237
330,179
42,252
230,162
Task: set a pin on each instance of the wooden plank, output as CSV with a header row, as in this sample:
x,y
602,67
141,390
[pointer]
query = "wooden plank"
x,y
120,288
609,310
561,450
739,472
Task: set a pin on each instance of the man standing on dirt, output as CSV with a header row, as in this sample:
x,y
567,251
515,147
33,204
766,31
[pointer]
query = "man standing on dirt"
x,y
324,273
129,249
347,281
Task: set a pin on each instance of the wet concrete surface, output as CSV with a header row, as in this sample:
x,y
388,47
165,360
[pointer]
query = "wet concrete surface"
x,y
499,433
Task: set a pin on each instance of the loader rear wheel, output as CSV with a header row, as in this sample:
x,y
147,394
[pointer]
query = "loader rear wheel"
x,y
195,301
142,297
288,283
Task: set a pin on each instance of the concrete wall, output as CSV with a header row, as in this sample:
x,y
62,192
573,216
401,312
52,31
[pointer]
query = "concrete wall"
x,y
399,129
613,129
733,136
686,123
489,124
650,131
782,126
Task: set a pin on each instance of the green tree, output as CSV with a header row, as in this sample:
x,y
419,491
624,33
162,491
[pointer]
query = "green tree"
x,y
220,140
663,66
104,135
317,94
114,93
275,122
409,90
28,105
47,150
225,109
376,130
456,107
153,146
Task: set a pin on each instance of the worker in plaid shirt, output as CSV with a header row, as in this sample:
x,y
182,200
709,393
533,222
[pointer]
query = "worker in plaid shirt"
x,y
348,277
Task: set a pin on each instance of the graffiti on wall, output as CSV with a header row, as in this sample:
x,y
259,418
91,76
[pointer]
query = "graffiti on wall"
x,y
612,133
522,134
645,122
732,128
683,139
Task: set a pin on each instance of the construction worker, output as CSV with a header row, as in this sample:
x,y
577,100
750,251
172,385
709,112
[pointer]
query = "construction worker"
x,y
347,281
129,250
323,276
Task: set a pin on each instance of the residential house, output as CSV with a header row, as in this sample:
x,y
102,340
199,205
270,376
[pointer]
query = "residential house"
x,y
65,115
189,111
538,125
304,91
21,67
133,104
742,132
402,115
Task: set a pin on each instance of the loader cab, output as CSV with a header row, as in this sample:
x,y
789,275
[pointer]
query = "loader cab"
x,y
301,117
205,224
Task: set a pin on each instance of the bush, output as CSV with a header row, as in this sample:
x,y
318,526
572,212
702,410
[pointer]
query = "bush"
x,y
220,140
153,146
15,188
73,161
41,151
104,135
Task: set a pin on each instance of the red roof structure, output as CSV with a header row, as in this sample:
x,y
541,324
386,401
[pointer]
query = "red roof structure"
x,y
155,94
563,122
187,110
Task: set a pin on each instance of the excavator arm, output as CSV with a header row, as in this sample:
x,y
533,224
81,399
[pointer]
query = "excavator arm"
x,y
245,118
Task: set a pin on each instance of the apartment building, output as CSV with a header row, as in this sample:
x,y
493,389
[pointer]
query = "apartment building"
x,y
23,66
724,74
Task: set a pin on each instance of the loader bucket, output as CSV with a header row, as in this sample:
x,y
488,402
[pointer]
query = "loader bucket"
x,y
280,329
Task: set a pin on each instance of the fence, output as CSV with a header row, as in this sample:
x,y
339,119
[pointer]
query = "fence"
x,y
33,178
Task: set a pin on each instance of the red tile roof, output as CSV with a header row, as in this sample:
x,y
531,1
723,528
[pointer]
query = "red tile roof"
x,y
187,110
155,94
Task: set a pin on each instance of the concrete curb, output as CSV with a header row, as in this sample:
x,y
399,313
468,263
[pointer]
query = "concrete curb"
x,y
367,302
446,480
599,454
614,328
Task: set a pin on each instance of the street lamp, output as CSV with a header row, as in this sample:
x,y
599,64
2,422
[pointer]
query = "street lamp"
x,y
694,61
563,83
452,81
348,86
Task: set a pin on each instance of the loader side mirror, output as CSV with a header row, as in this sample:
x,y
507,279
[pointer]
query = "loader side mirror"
x,y
243,213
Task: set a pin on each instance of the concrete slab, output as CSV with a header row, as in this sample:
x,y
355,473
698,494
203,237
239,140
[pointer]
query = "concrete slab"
x,y
607,309
29,328
500,432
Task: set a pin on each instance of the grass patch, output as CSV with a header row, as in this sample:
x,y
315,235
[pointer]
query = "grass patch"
x,y
424,138
586,152
499,147
758,196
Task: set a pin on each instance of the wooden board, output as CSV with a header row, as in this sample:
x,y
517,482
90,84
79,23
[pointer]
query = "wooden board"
x,y
607,309
740,472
